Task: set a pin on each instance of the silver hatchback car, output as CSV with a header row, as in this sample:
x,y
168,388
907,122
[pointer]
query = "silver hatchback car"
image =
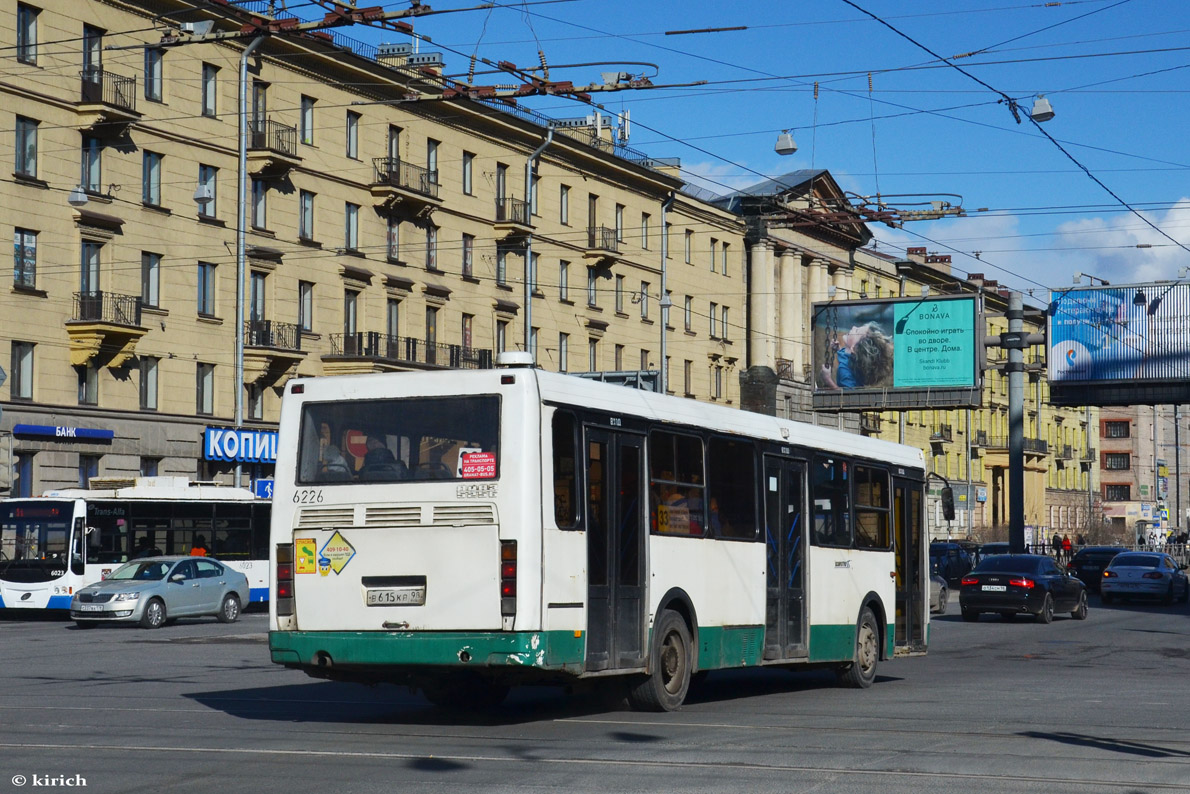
x,y
152,590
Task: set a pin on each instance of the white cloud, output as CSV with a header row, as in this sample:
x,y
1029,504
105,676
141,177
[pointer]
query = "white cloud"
x,y
1111,250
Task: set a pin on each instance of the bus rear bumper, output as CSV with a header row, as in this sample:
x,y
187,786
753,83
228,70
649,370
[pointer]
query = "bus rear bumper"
x,y
555,651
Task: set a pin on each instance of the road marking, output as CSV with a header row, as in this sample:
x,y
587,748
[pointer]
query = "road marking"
x,y
973,776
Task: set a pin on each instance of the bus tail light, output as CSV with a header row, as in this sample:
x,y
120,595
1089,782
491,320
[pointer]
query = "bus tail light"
x,y
507,577
284,579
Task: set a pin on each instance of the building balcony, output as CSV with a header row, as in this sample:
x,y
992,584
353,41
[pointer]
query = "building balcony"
x,y
602,246
396,183
942,433
107,101
272,351
371,351
104,328
1035,446
1064,452
869,423
513,217
979,438
272,148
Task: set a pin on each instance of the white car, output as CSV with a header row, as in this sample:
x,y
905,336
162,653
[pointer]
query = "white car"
x,y
939,594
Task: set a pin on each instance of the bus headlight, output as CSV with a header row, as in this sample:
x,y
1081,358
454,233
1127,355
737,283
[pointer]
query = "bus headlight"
x,y
127,596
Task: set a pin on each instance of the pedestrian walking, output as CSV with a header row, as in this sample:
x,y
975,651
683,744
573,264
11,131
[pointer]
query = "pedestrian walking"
x,y
1067,548
1056,544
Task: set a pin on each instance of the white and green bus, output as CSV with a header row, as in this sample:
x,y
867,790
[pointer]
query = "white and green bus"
x,y
462,532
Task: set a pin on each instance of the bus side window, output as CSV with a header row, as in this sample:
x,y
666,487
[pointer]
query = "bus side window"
x,y
565,454
732,486
829,492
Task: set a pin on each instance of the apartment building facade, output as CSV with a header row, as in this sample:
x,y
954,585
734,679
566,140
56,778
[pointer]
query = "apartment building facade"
x,y
386,229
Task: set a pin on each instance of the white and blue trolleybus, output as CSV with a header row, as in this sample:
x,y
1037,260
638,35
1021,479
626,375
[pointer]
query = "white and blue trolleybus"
x,y
461,532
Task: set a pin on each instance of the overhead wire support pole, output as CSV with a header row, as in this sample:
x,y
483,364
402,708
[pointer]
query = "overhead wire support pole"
x,y
529,348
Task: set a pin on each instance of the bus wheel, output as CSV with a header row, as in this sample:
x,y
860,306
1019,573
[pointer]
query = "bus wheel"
x,y
154,615
465,693
664,689
862,671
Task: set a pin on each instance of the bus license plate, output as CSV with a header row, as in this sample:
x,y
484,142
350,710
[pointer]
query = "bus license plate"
x,y
90,607
995,588
397,597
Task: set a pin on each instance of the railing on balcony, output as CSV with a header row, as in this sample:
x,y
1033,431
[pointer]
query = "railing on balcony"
x,y
510,210
1036,445
1088,455
602,238
1066,452
273,136
269,333
869,422
785,369
398,173
107,307
108,89
980,439
408,350
942,433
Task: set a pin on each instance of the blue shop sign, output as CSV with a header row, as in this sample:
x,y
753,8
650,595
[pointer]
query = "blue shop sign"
x,y
252,446
64,433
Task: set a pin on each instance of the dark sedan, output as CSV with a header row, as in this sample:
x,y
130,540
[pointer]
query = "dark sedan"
x,y
1013,584
1089,563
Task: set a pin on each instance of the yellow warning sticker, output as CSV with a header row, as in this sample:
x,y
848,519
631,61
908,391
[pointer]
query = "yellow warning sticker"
x,y
336,553
305,555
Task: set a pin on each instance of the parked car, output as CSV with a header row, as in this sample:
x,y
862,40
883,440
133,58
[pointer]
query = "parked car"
x,y
1150,574
996,547
939,594
950,560
153,590
1014,584
1089,562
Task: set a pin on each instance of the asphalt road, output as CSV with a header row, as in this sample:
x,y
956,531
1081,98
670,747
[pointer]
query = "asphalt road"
x,y
996,706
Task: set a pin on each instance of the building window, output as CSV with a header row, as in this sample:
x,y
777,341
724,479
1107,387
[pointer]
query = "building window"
x,y
91,176
501,267
592,354
306,306
255,401
24,258
151,179
306,215
714,249
21,371
92,53
714,315
533,342
644,360
563,352
717,383
431,331
149,467
669,253
351,226
620,294
1117,429
1117,493
306,121
1117,461
468,256
533,194
206,289
394,144
592,287
257,283
501,182
205,389
352,135
688,313
150,278
501,336
210,89
644,300
88,468
431,248
260,198
665,306
392,318
723,267
350,311
563,280
393,240
618,358
644,230
564,205
148,383
619,223
22,475
723,323
533,274
207,182
688,378
689,242
27,33
153,59
468,169
88,378
432,159
89,267
466,331
26,147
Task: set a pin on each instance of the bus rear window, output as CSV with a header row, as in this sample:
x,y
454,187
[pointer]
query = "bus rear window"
x,y
400,440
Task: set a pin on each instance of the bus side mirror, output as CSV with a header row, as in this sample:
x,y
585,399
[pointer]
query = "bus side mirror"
x,y
948,503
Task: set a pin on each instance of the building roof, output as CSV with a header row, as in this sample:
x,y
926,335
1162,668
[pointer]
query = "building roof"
x,y
780,184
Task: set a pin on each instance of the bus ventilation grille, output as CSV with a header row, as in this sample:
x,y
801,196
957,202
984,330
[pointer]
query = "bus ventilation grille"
x,y
453,515
393,516
326,517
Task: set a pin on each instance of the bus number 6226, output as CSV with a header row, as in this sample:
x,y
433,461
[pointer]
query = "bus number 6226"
x,y
307,496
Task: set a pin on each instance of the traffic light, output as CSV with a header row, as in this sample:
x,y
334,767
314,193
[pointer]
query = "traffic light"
x,y
948,503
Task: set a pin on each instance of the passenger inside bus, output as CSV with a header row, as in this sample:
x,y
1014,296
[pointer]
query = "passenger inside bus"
x,y
145,548
381,464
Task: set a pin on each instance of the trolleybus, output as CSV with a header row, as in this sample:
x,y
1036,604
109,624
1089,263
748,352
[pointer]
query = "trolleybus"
x,y
462,532
52,545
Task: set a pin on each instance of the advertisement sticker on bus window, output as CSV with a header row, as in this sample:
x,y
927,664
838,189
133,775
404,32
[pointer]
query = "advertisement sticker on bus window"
x,y
337,552
305,555
478,465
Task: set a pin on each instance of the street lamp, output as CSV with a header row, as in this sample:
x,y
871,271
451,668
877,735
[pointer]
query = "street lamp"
x,y
785,143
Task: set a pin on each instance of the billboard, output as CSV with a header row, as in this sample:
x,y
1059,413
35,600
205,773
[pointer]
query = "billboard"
x,y
1120,345
897,353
